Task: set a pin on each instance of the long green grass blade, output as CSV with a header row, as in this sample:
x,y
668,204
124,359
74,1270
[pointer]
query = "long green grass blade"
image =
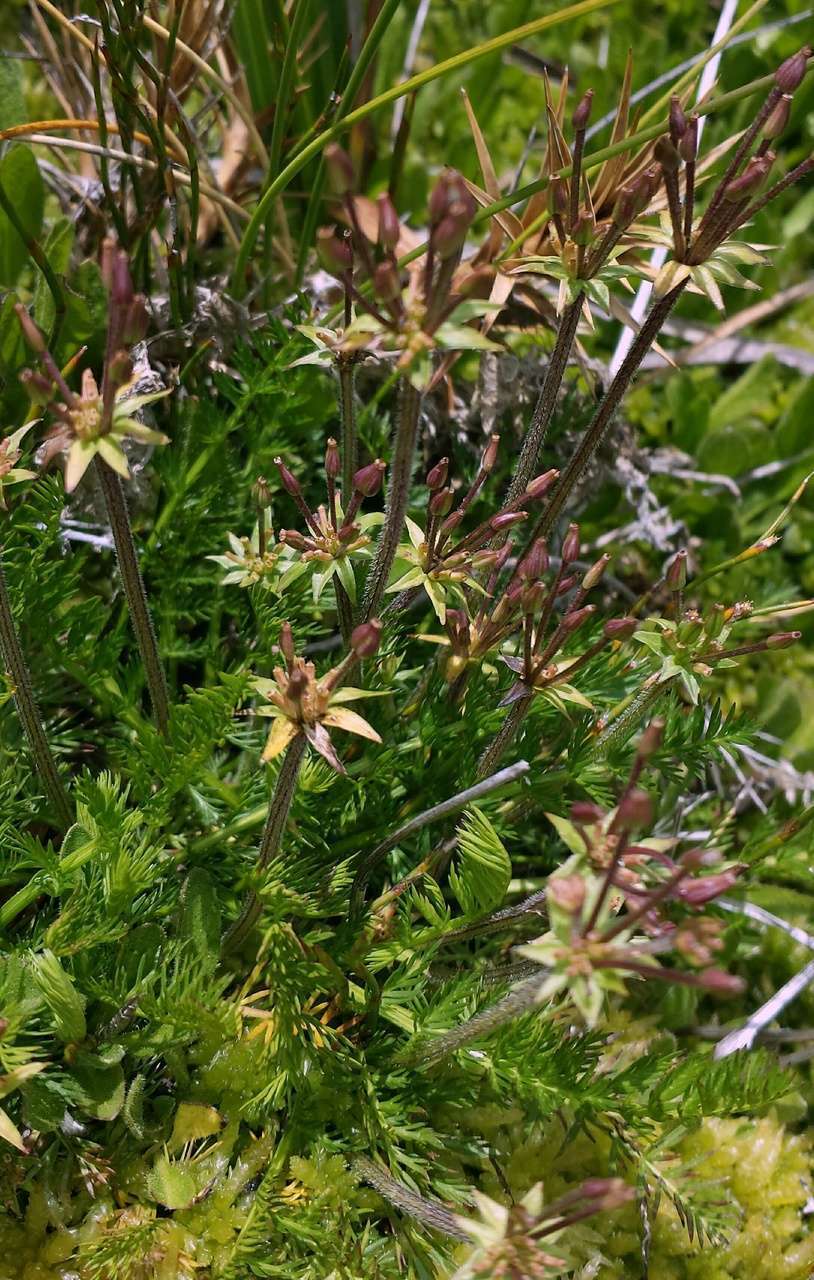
x,y
440,69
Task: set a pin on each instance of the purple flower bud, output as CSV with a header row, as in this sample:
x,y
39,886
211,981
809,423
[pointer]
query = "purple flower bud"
x,y
339,169
452,521
120,369
574,620
136,320
533,596
387,282
449,235
291,538
667,154
389,224
368,480
506,520
333,464
688,144
584,228
450,189
567,584
676,575
457,626
489,456
582,114
333,251
650,740
724,984
594,574
677,120
541,484
751,180
290,483
570,544
699,892
31,333
365,638
635,810
778,118
557,195
287,644
789,75
535,563
437,475
620,628
783,639
586,814
121,285
503,554
441,502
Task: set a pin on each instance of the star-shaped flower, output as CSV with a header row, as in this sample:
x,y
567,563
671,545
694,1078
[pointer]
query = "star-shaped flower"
x,y
10,452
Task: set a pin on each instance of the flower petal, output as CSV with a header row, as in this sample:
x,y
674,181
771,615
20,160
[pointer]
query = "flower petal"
x,y
80,456
282,732
351,722
318,737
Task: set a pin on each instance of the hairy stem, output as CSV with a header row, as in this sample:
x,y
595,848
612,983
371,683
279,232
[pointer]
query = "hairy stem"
x,y
135,593
544,409
398,493
284,790
29,712
504,737
430,1212
603,417
518,1001
350,443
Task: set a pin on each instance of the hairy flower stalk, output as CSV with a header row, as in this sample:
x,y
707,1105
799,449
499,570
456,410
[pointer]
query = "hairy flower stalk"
x,y
135,592
284,789
349,441
398,494
29,712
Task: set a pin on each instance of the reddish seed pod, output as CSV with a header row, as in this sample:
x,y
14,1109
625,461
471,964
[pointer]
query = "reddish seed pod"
x,y
121,285
584,228
333,464
676,575
721,983
557,195
449,236
666,153
778,118
533,596
339,169
489,458
450,189
594,574
290,483
688,144
287,643
789,75
441,502
541,484
535,563
136,320
297,684
506,520
451,523
620,628
783,639
365,638
585,813
574,620
389,228
503,554
292,538
120,369
368,479
334,252
567,584
677,120
751,180
261,493
387,282
582,114
635,810
457,626
31,333
437,475
650,740
570,544
106,255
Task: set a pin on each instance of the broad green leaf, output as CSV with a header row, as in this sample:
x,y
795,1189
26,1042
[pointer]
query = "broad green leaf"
x,y
12,101
23,184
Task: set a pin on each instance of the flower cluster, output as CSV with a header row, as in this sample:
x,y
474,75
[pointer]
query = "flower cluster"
x,y
301,704
593,945
97,420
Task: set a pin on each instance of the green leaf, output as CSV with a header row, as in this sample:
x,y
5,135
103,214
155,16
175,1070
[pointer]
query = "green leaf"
x,y
101,1084
23,185
199,921
57,249
66,1005
482,871
12,101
